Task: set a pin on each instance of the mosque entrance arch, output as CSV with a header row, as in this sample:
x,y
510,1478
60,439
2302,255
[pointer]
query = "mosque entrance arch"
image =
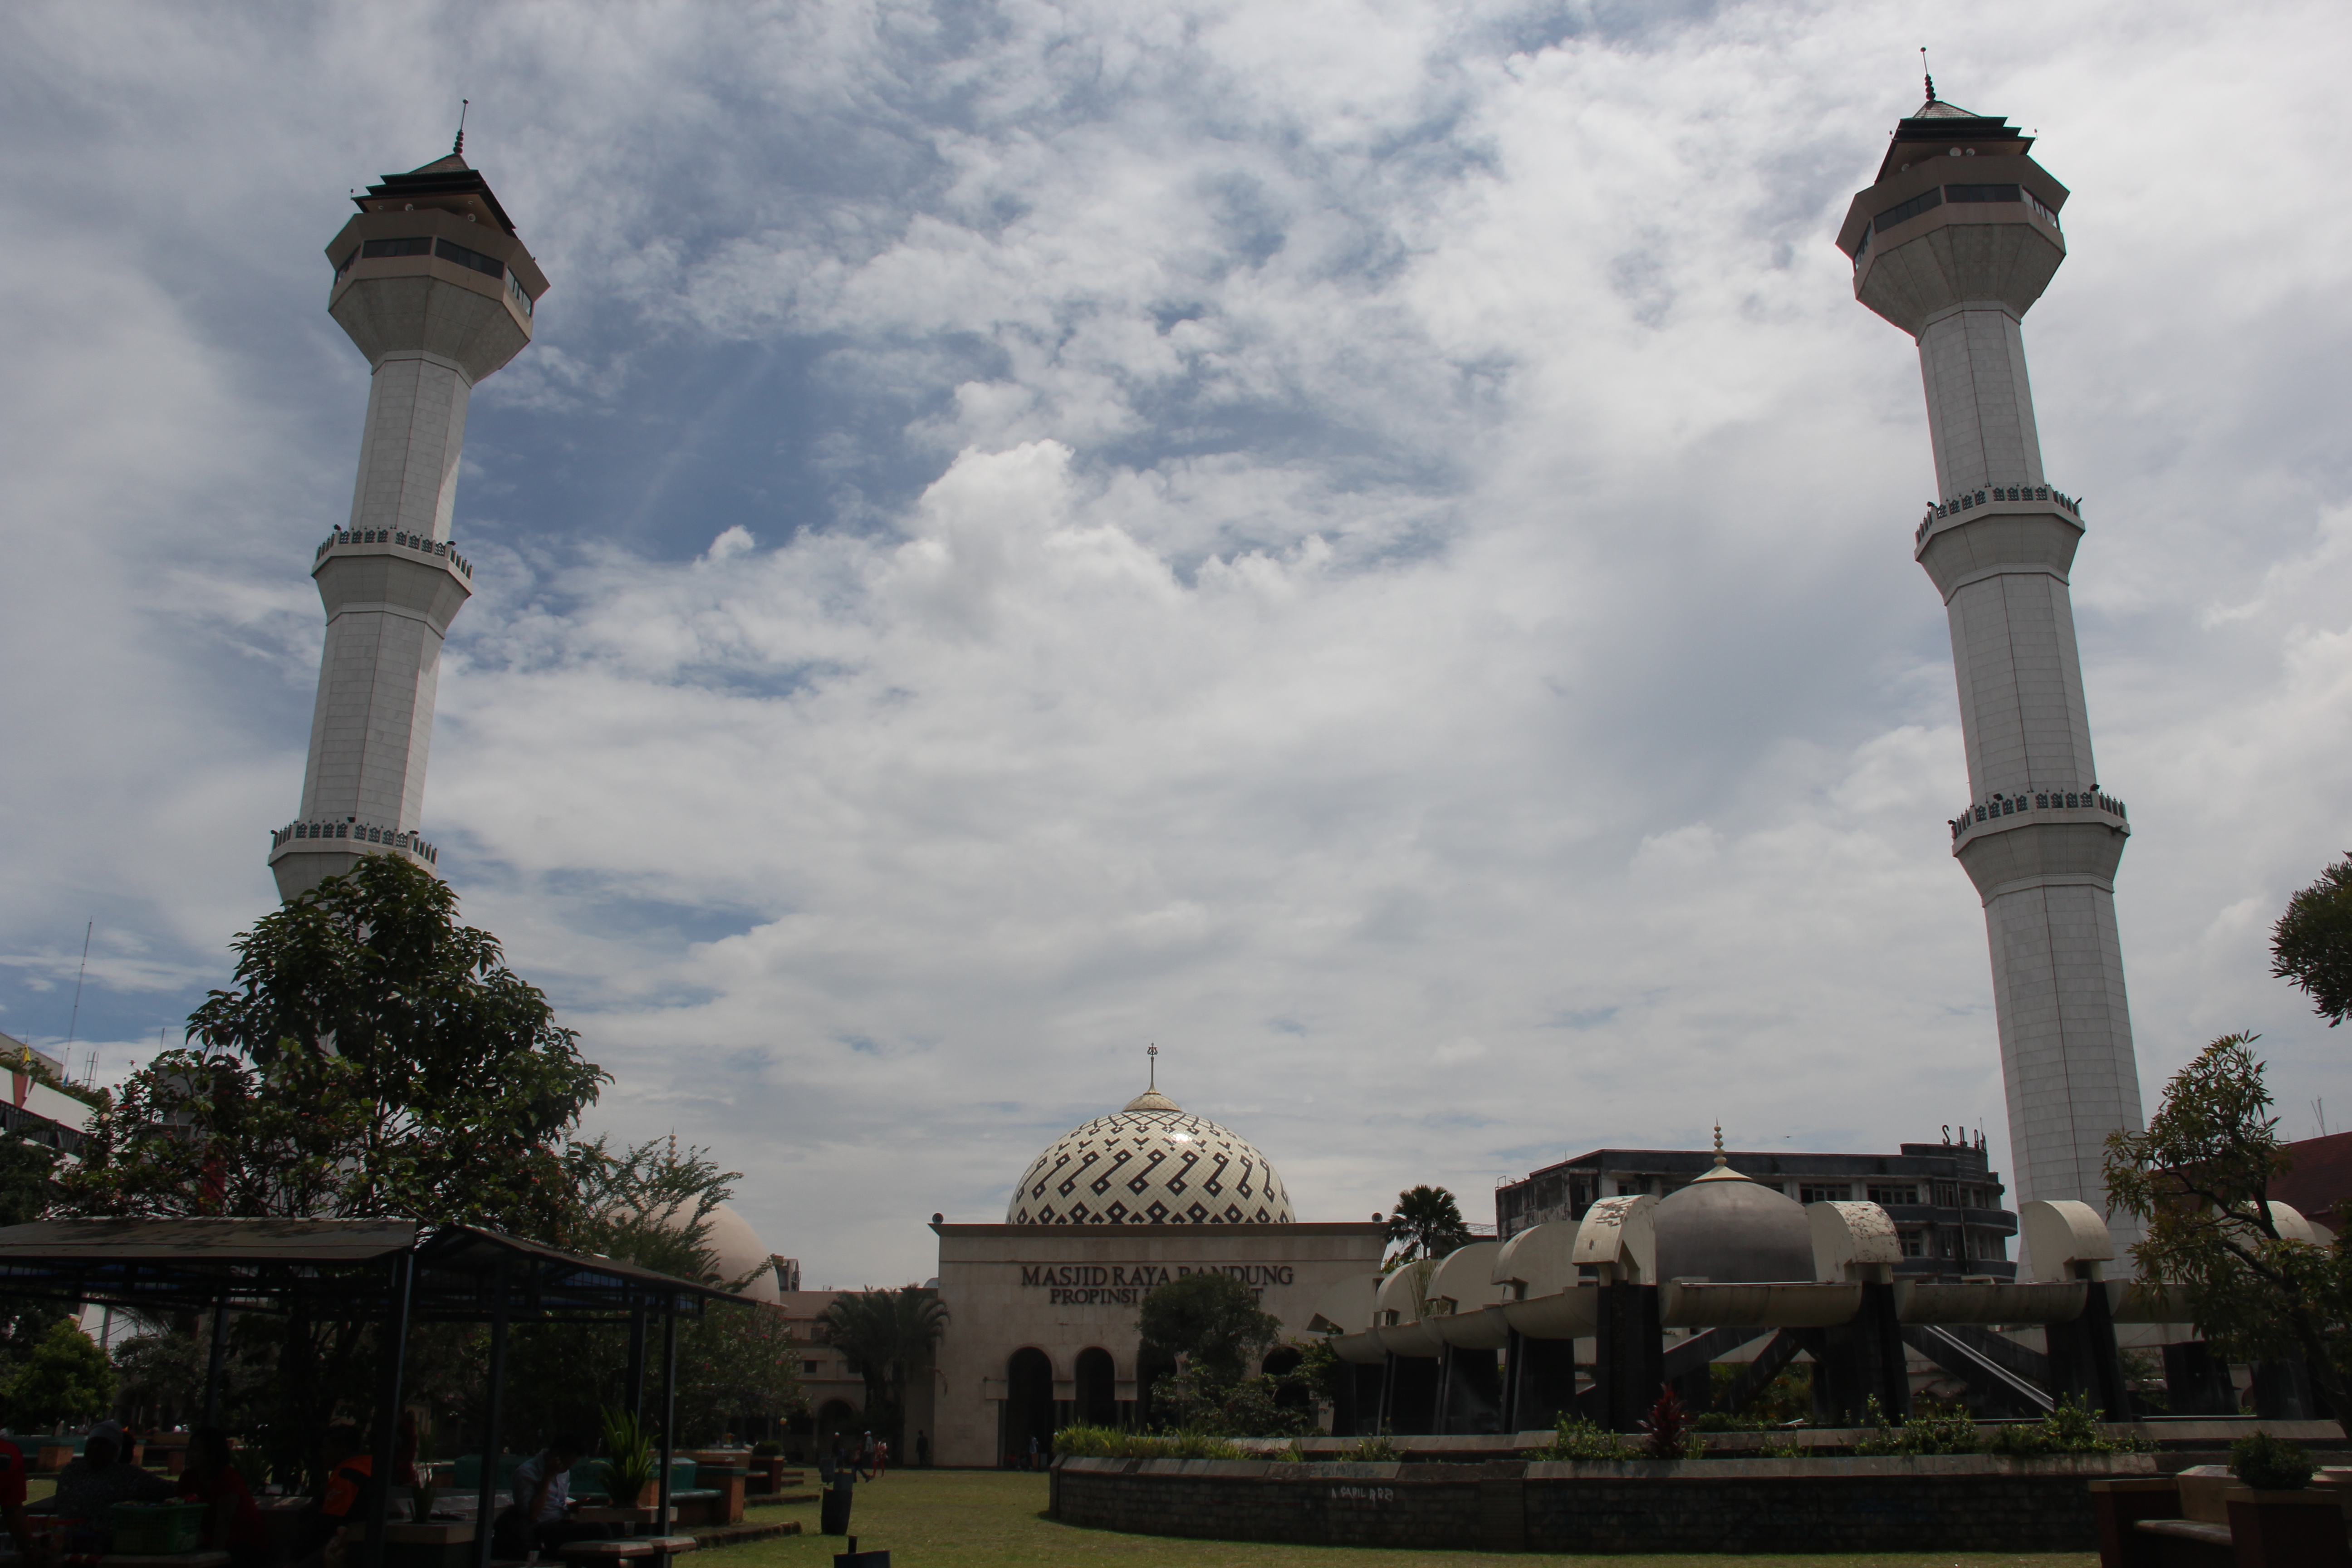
x,y
1028,1408
1098,1388
1151,1364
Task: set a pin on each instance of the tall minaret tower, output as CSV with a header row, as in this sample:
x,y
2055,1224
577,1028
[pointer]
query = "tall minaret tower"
x,y
1954,243
436,290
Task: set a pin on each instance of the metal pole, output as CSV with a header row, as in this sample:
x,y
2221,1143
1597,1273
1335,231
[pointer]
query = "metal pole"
x,y
217,1368
492,1439
395,1350
668,1408
636,1384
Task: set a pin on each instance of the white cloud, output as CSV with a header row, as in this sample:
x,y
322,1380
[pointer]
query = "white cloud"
x,y
1363,543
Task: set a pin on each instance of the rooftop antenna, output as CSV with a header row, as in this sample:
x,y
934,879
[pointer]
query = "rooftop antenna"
x,y
1923,71
464,103
1152,1054
75,1022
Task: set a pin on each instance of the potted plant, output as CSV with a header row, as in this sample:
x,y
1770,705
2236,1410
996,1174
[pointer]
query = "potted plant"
x,y
631,1464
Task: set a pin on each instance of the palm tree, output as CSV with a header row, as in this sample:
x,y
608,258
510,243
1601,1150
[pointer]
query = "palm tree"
x,y
1428,1221
889,1335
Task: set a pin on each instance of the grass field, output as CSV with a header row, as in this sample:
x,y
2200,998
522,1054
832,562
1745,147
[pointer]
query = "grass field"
x,y
986,1518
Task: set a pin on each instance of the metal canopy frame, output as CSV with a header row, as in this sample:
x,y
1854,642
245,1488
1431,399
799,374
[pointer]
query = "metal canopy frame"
x,y
402,1270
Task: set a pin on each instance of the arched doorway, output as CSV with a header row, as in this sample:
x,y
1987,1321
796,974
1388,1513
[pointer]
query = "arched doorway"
x,y
1097,1390
1280,1362
836,1418
1028,1408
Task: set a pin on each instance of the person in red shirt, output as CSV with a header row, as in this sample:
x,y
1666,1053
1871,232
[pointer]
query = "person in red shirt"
x,y
232,1523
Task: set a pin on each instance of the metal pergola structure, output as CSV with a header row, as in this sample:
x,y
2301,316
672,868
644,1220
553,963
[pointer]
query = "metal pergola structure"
x,y
402,1271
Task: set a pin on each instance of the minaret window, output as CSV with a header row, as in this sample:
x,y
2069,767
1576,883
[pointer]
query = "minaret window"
x,y
1924,201
473,258
1982,193
374,249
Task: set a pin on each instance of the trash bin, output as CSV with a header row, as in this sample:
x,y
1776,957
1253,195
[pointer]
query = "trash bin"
x,y
832,1511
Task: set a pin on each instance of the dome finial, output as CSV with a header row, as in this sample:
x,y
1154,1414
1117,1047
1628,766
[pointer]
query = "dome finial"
x,y
1719,1159
1152,1054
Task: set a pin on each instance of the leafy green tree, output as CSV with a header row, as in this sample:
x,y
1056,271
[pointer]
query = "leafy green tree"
x,y
891,1335
1427,1223
2199,1179
27,1187
66,1378
375,1058
2312,943
1212,1321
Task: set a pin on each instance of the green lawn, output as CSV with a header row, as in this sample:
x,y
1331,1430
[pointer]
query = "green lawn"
x,y
981,1518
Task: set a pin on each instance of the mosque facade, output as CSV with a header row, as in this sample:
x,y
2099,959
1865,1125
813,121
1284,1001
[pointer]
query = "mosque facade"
x,y
1042,1309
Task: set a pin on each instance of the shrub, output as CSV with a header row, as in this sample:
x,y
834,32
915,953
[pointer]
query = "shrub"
x,y
2271,1464
2071,1427
767,1448
1375,1450
1577,1438
1666,1434
1948,1431
1113,1443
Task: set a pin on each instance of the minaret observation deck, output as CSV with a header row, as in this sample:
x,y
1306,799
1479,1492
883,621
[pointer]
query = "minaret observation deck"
x,y
432,284
1954,243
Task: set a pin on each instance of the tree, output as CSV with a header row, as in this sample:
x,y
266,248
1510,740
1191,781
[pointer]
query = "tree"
x,y
890,1336
2199,1178
1212,1320
1428,1221
375,1058
2312,943
66,1378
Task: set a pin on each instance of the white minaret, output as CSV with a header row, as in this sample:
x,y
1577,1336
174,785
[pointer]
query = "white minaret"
x,y
1954,243
435,287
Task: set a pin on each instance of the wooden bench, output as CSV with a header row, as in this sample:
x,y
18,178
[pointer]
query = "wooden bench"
x,y
586,1552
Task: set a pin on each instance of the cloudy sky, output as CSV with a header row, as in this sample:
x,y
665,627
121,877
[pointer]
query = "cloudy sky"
x,y
1368,543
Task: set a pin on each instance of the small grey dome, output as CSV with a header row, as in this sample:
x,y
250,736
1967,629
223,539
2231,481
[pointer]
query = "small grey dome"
x,y
1725,1229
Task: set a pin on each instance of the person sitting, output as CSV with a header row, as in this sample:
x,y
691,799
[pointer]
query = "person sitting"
x,y
351,1493
90,1487
539,1519
233,1523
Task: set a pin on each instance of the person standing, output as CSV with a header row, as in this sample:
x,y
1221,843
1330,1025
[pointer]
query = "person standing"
x,y
922,1450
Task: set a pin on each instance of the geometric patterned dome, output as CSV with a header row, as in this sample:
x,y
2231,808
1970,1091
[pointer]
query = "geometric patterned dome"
x,y
1149,1163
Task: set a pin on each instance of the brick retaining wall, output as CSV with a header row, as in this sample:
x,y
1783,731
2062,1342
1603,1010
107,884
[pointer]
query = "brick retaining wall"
x,y
1966,1502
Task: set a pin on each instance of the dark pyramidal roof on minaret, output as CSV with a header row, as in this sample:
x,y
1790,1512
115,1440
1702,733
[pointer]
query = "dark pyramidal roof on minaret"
x,y
442,178
1937,125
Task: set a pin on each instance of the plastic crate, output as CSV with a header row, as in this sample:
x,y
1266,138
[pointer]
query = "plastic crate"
x,y
157,1529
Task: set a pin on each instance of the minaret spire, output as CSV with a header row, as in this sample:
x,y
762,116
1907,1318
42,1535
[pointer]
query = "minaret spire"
x,y
435,287
1923,71
1151,1058
1954,243
459,150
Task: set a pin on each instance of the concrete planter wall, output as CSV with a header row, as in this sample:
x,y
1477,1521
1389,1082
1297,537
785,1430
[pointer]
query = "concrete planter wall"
x,y
1960,1503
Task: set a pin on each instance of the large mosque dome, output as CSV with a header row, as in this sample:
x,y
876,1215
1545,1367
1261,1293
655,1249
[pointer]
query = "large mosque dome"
x,y
1149,1163
1727,1228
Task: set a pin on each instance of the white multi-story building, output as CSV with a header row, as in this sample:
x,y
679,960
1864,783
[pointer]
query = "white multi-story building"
x,y
432,284
1954,243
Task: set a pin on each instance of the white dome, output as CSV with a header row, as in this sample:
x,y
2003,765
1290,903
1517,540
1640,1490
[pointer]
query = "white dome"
x,y
738,1251
1149,1163
735,1248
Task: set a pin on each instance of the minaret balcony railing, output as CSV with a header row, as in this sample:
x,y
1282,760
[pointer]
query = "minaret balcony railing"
x,y
1997,808
351,832
440,548
1969,501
